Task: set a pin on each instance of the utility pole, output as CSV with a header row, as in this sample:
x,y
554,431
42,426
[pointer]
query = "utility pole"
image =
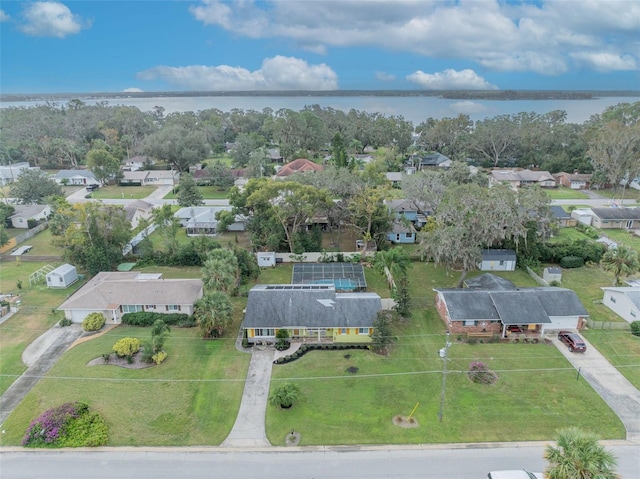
x,y
444,355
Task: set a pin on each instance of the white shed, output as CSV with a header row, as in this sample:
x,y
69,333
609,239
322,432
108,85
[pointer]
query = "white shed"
x,y
552,273
266,259
583,215
498,260
62,277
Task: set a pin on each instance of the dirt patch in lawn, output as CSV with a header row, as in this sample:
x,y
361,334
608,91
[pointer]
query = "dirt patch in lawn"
x,y
406,422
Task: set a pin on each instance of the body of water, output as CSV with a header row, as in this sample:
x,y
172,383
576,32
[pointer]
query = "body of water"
x,y
415,109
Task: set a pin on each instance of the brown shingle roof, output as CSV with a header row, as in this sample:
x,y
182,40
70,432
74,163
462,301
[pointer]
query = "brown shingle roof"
x,y
299,165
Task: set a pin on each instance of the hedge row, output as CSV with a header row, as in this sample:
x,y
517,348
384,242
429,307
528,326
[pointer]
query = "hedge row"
x,y
305,348
144,318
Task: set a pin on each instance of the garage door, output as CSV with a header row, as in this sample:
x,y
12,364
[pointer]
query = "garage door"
x,y
562,322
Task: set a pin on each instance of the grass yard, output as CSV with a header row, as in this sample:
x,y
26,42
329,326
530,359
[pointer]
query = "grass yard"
x,y
191,399
33,319
565,194
338,407
568,234
623,237
208,193
629,193
122,192
621,348
42,245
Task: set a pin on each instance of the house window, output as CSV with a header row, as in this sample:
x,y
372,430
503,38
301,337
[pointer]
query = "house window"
x,y
408,235
363,330
613,300
501,263
131,308
633,313
265,332
398,237
173,307
151,307
470,323
61,279
343,330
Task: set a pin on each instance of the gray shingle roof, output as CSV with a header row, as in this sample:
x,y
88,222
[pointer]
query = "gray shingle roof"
x,y
310,306
559,212
523,306
498,255
490,281
617,213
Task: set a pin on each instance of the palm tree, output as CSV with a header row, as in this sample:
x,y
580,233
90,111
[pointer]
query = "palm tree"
x,y
159,332
220,271
396,261
213,314
622,261
285,396
578,455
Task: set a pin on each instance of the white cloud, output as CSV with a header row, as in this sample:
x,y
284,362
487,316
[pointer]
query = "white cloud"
x,y
51,19
4,17
605,62
384,76
466,107
542,36
276,73
450,80
133,90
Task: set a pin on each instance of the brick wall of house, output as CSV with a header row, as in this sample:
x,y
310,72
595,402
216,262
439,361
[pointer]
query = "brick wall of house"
x,y
459,327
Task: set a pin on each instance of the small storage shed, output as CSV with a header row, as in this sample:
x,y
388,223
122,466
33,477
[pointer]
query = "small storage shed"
x,y
552,273
62,277
498,260
267,259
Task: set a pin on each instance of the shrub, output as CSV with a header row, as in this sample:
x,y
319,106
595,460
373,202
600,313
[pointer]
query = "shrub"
x,y
635,328
126,347
144,318
285,396
479,373
159,357
64,322
572,262
93,322
69,425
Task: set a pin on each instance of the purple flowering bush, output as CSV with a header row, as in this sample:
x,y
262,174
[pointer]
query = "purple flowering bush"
x,y
481,374
69,425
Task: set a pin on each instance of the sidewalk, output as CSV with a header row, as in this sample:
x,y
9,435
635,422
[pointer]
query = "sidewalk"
x,y
621,396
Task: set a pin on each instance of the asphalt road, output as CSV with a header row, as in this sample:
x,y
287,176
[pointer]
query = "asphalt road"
x,y
466,461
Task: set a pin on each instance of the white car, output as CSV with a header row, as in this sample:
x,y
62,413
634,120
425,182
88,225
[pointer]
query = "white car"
x,y
515,474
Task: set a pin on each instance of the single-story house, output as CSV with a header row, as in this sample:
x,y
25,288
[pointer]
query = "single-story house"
x,y
531,311
498,260
116,293
562,217
624,301
434,160
136,163
395,178
575,181
301,165
313,312
75,177
10,173
274,155
150,177
201,220
616,218
138,210
62,277
23,213
519,178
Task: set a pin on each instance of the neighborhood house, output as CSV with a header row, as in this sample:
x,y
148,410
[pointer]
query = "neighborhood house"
x,y
624,301
530,312
24,213
616,218
313,313
116,293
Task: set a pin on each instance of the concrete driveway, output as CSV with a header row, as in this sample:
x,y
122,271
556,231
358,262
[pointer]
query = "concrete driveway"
x,y
621,396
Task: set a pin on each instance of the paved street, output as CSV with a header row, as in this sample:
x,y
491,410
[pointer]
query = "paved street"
x,y
449,461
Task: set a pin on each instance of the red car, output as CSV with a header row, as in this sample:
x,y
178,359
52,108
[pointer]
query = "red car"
x,y
574,342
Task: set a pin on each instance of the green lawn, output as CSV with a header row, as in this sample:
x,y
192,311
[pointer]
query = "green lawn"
x,y
42,245
191,399
208,193
623,237
565,194
535,395
621,348
122,192
629,193
33,319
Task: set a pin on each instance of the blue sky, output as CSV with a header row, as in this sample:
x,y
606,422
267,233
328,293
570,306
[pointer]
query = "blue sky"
x,y
147,45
